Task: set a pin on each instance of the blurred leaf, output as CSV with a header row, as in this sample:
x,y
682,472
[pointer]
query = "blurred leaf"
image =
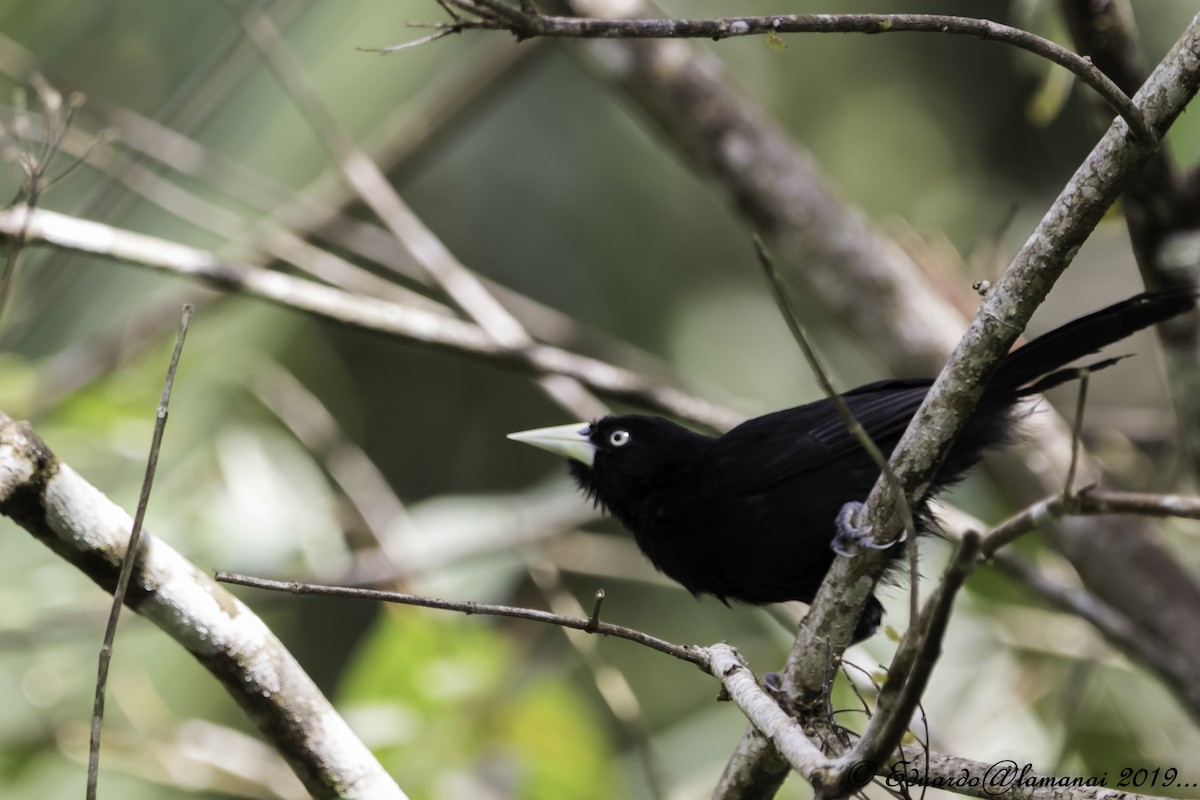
x,y
18,378
1050,98
447,707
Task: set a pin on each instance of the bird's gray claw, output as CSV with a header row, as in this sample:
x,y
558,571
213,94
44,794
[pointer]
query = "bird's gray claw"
x,y
849,536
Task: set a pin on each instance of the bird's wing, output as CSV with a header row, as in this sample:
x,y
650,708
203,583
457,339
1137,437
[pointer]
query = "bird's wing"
x,y
883,408
777,447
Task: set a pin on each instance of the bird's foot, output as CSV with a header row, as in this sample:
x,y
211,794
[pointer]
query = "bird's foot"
x,y
849,536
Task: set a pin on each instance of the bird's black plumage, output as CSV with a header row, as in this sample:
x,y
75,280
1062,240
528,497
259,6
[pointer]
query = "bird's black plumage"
x,y
749,515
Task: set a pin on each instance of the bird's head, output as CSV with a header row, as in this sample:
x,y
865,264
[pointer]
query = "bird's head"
x,y
617,460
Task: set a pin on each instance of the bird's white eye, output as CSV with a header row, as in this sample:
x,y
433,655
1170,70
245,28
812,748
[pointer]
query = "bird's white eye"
x,y
618,438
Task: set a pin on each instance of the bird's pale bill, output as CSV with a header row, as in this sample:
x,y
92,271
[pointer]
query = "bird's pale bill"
x,y
572,441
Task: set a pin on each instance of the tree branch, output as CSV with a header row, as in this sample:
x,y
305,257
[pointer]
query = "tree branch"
x,y
785,734
1089,501
67,514
911,324
526,26
1005,311
368,313
1160,206
691,654
913,663
463,286
135,535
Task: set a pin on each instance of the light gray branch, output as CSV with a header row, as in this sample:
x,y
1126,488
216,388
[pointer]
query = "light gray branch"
x,y
393,319
71,517
462,285
723,662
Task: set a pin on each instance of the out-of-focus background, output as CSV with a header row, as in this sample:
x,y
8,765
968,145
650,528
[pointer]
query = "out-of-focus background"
x,y
540,177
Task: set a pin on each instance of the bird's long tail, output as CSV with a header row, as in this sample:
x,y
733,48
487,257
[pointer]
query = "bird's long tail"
x,y
1042,359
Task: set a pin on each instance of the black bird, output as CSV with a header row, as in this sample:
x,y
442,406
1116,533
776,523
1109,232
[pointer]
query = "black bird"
x,y
751,515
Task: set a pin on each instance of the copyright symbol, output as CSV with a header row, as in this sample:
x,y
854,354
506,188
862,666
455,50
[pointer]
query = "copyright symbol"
x,y
860,774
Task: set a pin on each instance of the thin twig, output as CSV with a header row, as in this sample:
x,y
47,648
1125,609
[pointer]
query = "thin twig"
x,y
1089,501
852,425
131,553
441,32
914,662
1076,435
1102,501
31,168
691,654
594,619
525,25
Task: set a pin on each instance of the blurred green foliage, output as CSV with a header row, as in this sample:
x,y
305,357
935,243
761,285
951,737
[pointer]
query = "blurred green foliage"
x,y
452,706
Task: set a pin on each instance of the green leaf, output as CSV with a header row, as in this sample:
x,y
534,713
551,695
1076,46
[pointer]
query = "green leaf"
x,y
447,706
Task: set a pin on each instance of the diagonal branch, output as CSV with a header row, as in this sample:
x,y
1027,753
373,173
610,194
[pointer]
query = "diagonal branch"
x,y
1005,311
462,285
75,520
367,313
135,535
911,323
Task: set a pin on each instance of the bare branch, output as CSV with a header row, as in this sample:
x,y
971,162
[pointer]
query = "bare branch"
x,y
852,425
368,313
524,25
72,518
691,654
1076,435
720,660
727,666
135,535
1088,501
913,663
1006,309
1118,628
462,285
